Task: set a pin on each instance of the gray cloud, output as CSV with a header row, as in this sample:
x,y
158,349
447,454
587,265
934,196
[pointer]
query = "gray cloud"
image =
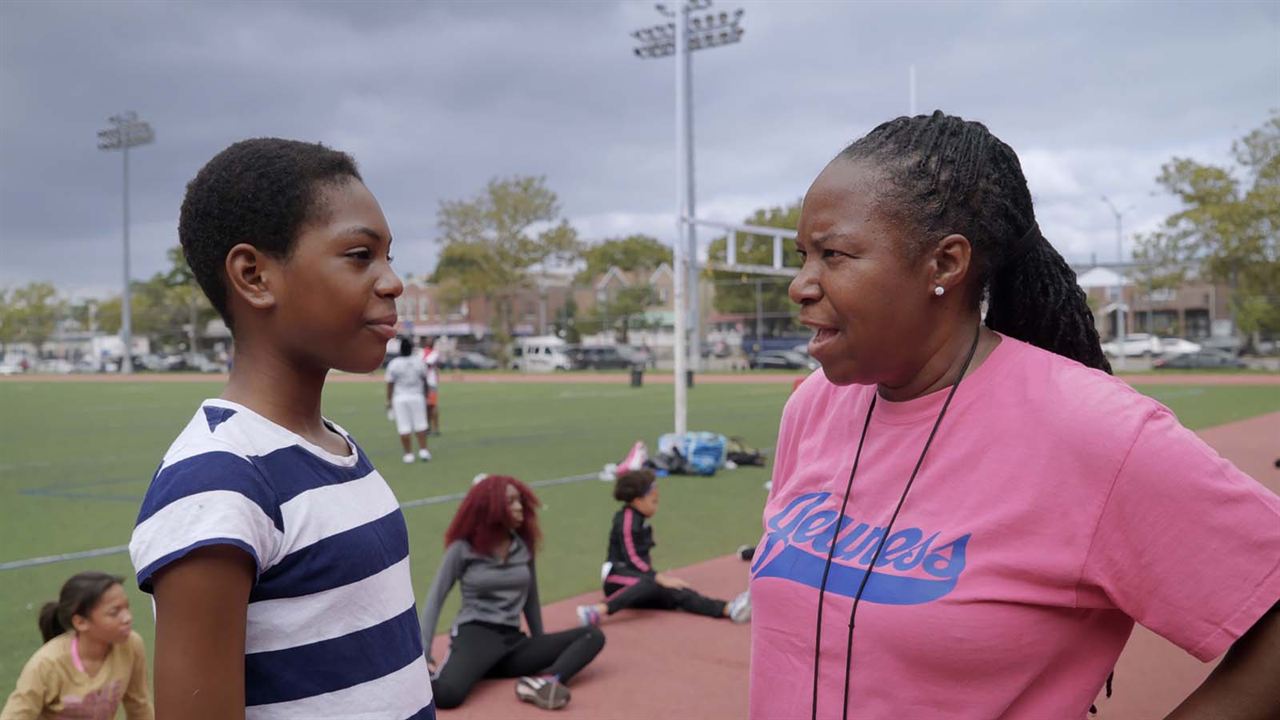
x,y
434,99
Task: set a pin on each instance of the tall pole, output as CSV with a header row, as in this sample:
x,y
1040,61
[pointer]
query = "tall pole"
x,y
126,311
759,316
680,246
684,34
695,303
126,132
1121,306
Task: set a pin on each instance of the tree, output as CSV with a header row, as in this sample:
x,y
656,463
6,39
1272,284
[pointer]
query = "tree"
x,y
1229,226
633,252
35,309
490,242
736,293
8,321
108,315
169,307
1153,272
620,311
566,324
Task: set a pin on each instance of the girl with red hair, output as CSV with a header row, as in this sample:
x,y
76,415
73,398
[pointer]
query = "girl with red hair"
x,y
489,551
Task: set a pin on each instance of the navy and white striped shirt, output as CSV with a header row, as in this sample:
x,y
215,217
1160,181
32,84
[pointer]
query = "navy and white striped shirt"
x,y
332,627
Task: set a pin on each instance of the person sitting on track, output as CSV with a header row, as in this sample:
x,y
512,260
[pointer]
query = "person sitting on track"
x,y
629,578
489,551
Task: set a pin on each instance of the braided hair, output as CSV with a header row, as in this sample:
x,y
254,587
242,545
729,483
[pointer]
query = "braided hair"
x,y
942,174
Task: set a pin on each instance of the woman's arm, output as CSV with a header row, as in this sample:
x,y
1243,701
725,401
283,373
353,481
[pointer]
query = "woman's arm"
x,y
532,607
446,576
137,694
202,604
1246,684
37,688
634,541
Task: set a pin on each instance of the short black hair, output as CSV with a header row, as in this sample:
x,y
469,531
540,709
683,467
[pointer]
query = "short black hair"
x,y
261,192
944,174
406,346
633,484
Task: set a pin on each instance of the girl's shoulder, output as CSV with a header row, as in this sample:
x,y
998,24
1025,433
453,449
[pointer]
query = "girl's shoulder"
x,y
459,548
53,653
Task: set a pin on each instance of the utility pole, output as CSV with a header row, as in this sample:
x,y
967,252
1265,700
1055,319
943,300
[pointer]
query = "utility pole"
x,y
127,131
685,33
1121,307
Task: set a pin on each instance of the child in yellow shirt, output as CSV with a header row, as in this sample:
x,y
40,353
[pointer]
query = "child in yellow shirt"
x,y
91,660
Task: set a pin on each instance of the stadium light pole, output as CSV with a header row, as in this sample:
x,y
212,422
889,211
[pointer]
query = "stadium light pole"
x,y
686,32
127,131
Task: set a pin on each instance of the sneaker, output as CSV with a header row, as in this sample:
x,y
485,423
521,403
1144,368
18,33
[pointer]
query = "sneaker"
x,y
424,455
740,608
544,691
588,616
408,457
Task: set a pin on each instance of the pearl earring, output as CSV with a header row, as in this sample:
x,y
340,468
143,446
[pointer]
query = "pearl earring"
x,y
938,290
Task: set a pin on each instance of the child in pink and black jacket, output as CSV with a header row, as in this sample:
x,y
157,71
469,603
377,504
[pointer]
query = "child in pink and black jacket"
x,y
629,578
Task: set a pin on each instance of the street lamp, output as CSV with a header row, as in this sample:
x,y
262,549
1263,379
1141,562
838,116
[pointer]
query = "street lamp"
x,y
693,26
1121,308
127,131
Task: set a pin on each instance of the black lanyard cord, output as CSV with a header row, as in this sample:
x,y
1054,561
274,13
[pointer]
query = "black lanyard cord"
x,y
826,570
857,598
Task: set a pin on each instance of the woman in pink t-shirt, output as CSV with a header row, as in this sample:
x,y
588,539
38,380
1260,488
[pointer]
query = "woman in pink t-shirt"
x,y
967,518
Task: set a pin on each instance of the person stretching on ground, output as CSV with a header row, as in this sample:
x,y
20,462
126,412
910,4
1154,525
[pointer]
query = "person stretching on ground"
x,y
91,659
629,578
489,550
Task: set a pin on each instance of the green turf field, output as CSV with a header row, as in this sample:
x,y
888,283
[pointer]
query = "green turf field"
x,y
75,459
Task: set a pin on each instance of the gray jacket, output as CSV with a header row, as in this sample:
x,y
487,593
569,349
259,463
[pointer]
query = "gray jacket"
x,y
493,590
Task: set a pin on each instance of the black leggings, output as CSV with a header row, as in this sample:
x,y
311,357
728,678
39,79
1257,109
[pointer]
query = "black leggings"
x,y
647,593
485,650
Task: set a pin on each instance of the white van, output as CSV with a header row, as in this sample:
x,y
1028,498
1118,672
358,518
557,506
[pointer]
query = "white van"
x,y
544,353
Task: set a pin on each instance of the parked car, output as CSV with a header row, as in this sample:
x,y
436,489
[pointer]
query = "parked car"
x,y
469,361
782,360
545,353
605,357
56,366
1201,359
150,361
1226,343
1177,346
1136,344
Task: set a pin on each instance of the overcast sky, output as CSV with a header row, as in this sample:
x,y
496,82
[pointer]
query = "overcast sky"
x,y
435,98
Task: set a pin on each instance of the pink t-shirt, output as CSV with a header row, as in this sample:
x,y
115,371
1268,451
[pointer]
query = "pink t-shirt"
x,y
1056,506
